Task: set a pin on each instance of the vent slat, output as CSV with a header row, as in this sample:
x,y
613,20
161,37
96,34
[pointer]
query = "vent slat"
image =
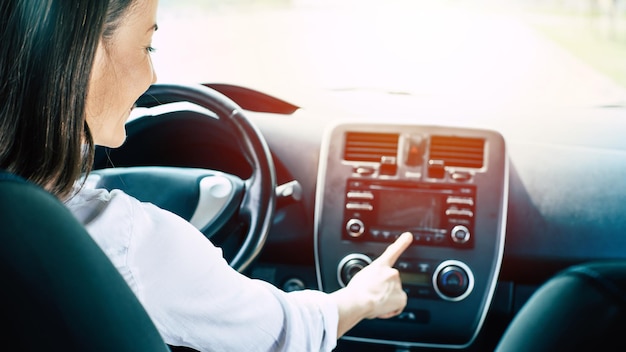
x,y
458,151
363,146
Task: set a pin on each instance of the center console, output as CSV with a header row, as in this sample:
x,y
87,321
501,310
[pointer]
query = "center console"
x,y
448,188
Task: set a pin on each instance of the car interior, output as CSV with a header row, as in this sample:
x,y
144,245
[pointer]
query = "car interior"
x,y
516,214
448,186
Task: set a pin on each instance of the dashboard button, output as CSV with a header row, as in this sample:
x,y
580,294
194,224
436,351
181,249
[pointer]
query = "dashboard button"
x,y
355,228
460,234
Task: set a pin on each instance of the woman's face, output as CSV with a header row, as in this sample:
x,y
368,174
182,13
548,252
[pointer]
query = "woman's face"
x,y
122,72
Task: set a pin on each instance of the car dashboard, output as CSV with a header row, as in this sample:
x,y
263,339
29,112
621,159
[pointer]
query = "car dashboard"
x,y
546,196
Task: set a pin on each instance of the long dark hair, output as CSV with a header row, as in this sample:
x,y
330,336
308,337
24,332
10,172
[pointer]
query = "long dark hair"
x,y
46,57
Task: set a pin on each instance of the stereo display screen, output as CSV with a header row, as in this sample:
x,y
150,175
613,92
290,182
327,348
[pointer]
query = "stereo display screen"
x,y
409,209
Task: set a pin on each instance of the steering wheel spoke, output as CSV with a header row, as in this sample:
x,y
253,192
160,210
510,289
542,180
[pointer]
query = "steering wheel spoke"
x,y
205,198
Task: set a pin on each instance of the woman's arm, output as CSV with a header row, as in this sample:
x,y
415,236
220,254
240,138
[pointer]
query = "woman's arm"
x,y
375,291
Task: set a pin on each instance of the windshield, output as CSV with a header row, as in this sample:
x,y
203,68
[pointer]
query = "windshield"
x,y
471,53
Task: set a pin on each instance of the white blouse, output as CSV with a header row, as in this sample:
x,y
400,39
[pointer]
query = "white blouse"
x,y
191,293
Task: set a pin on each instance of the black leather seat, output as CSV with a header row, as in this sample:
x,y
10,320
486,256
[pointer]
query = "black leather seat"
x,y
581,309
59,290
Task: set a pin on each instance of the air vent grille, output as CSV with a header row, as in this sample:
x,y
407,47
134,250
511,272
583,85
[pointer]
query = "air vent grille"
x,y
364,146
458,151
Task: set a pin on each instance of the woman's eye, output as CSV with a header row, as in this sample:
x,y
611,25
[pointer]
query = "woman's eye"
x,y
150,49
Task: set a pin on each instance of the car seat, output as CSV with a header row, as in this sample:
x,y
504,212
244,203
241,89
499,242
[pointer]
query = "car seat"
x,y
59,290
583,308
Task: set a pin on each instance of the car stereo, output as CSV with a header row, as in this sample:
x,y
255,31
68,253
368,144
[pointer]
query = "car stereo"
x,y
436,214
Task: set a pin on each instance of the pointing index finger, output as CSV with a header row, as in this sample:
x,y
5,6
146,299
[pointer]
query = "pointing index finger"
x,y
393,252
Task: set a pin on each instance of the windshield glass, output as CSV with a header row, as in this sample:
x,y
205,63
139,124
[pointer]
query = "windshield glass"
x,y
474,53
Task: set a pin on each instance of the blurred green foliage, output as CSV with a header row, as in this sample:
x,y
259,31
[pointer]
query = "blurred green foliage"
x,y
593,30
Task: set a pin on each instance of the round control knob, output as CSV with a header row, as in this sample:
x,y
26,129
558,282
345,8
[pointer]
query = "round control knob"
x,y
349,266
355,228
460,234
453,280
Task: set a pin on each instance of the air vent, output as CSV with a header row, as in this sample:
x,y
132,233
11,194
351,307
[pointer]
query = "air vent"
x,y
457,151
361,146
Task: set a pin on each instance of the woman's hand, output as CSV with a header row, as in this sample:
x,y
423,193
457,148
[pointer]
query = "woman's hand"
x,y
375,291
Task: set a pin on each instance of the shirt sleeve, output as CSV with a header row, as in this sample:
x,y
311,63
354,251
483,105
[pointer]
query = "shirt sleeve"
x,y
191,293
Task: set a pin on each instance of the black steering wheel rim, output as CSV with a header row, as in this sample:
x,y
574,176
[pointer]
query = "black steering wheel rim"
x,y
259,201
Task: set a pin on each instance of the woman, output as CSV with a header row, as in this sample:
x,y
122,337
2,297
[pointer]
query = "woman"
x,y
71,71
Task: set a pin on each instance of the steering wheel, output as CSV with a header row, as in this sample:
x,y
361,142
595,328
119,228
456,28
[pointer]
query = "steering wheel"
x,y
207,198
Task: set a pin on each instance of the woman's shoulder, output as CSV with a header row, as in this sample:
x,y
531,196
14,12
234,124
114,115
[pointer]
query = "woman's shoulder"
x,y
88,203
